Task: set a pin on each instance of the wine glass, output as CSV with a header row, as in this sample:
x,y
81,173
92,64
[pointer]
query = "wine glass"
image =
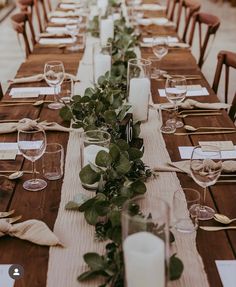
x,y
54,74
205,167
32,145
176,90
160,50
73,30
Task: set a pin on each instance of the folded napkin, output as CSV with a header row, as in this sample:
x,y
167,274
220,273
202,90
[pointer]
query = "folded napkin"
x,y
32,230
160,40
37,78
63,14
228,166
56,41
64,21
56,30
151,7
149,21
191,104
28,124
192,90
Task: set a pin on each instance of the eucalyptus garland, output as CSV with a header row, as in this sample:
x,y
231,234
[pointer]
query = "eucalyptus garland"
x,y
120,173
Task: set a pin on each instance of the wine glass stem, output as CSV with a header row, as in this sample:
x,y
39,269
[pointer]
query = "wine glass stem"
x,y
204,196
34,171
158,65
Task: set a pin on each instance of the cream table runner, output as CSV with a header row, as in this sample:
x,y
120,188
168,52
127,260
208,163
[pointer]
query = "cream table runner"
x,y
65,264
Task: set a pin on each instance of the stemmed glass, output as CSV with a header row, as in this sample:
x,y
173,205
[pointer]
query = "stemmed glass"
x,y
176,90
160,50
73,30
54,74
32,145
205,167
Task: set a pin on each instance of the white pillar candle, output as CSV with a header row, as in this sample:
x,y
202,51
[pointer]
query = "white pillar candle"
x,y
102,64
90,153
144,255
106,30
102,5
139,92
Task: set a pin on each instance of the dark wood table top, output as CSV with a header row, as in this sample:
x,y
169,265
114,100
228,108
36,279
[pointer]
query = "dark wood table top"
x,y
34,258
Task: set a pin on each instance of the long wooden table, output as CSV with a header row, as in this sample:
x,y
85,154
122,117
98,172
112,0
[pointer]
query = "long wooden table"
x,y
34,258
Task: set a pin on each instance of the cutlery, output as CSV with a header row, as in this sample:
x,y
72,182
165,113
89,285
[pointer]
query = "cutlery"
x,y
215,228
193,129
193,77
200,114
14,175
226,181
13,219
223,218
12,171
205,133
197,111
6,213
15,121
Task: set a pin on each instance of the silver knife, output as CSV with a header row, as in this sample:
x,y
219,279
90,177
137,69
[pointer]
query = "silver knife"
x,y
205,133
215,228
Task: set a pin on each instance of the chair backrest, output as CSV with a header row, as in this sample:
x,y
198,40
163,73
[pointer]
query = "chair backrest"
x,y
40,8
232,110
175,7
25,5
1,92
19,23
212,22
228,59
190,7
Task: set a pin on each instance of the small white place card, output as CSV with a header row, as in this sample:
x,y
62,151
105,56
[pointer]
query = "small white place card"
x,y
227,271
8,154
186,152
192,91
29,92
8,150
5,279
222,145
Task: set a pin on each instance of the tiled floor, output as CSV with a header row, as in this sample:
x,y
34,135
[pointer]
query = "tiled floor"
x,y
11,55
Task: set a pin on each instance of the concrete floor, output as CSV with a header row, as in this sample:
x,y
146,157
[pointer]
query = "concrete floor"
x,y
12,55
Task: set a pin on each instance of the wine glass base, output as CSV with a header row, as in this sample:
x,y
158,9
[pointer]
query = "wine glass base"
x,y
34,184
168,129
55,106
205,213
179,124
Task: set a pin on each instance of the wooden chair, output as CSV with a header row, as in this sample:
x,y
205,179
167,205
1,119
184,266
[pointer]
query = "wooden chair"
x,y
212,22
20,21
1,91
25,5
228,59
190,7
41,9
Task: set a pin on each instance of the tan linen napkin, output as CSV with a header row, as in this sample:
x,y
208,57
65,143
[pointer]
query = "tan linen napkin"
x,y
28,124
38,78
32,230
191,104
54,35
228,166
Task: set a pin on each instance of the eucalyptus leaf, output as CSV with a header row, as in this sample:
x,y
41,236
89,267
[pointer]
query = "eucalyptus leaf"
x,y
94,261
138,187
91,216
66,113
114,151
176,267
123,165
134,153
78,200
103,159
88,175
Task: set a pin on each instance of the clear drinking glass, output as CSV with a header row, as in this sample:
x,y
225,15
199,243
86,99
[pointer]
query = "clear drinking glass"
x,y
205,166
176,90
67,90
167,115
54,74
53,161
185,209
145,237
32,145
160,50
73,30
139,87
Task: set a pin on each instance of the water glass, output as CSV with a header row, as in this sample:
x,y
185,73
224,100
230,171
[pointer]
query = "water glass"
x,y
67,90
185,209
155,72
167,115
53,161
145,236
